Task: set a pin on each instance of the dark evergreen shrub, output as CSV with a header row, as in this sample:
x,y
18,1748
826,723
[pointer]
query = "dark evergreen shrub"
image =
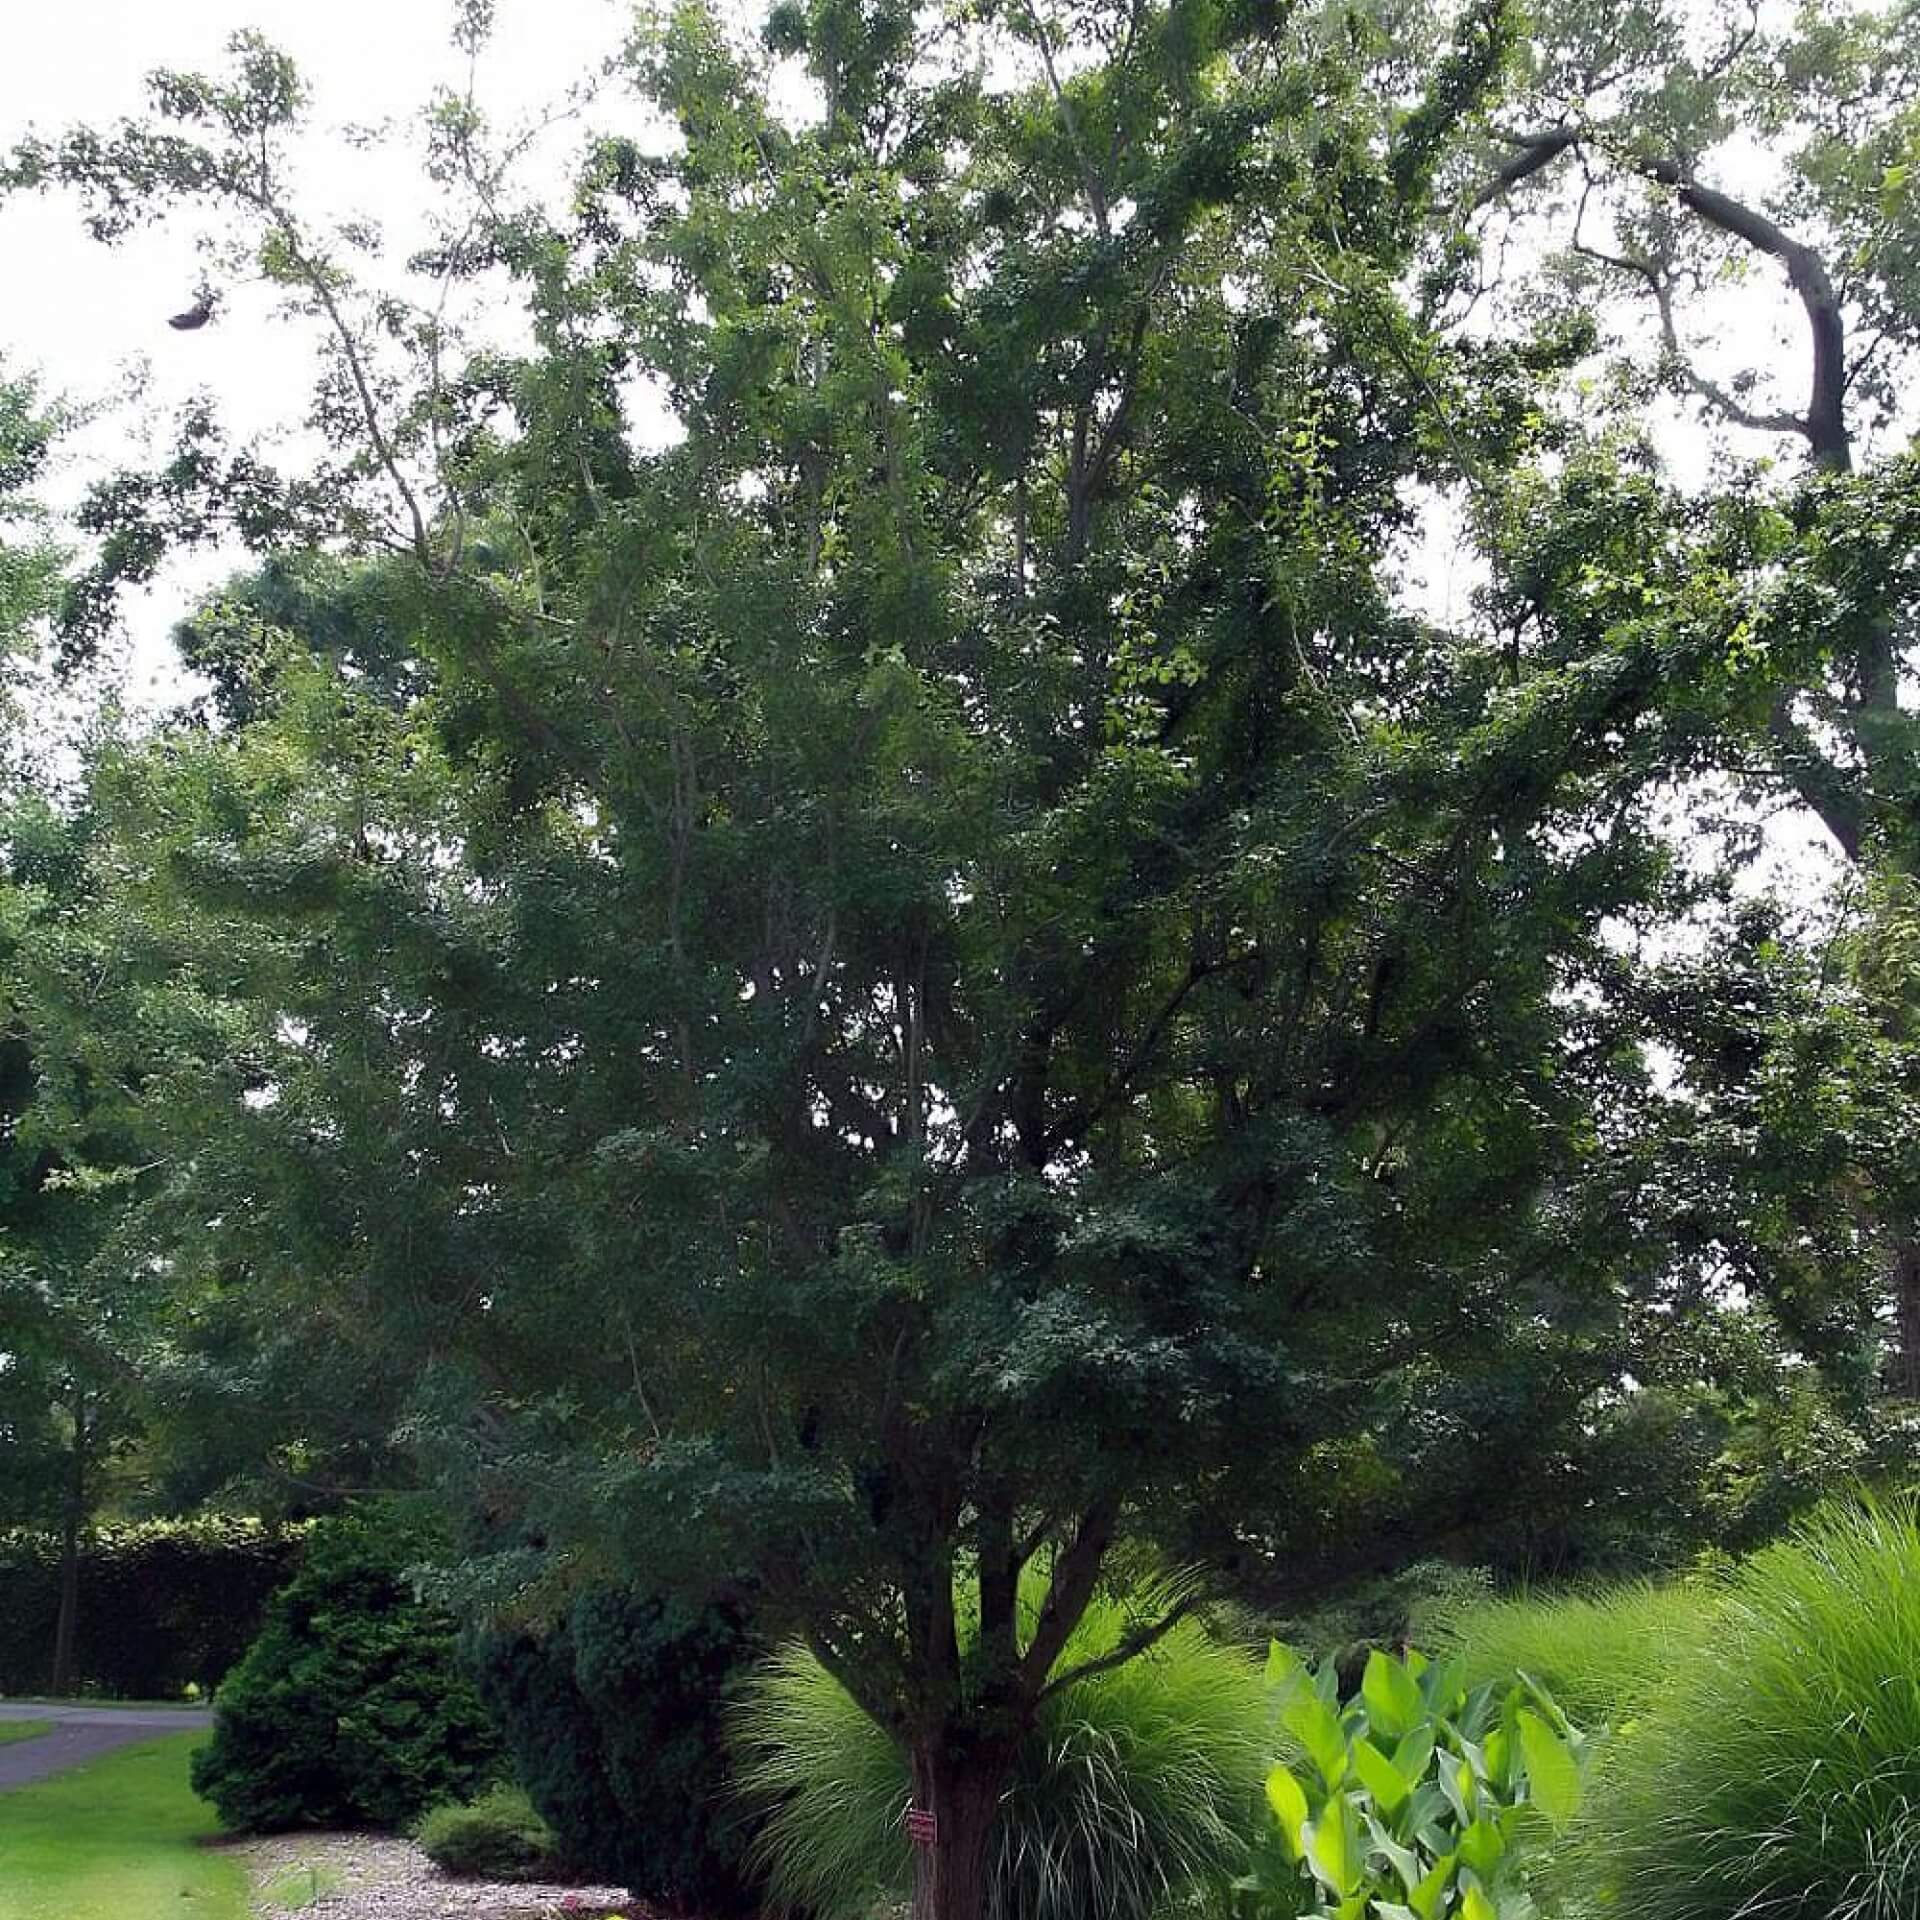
x,y
353,1707
615,1723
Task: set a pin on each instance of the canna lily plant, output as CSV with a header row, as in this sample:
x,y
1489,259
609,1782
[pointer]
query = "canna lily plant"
x,y
1415,1800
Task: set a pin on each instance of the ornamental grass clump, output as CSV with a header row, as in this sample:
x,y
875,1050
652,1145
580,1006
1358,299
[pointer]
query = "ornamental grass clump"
x,y
1777,1776
1137,1785
1602,1654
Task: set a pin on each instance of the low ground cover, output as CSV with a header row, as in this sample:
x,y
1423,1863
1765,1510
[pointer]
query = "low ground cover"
x,y
11,1730
117,1838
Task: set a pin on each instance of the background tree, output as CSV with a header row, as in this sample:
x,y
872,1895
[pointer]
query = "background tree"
x,y
1727,195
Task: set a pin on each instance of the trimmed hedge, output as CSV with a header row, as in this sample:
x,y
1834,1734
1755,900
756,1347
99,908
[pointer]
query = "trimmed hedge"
x,y
163,1606
353,1707
615,1722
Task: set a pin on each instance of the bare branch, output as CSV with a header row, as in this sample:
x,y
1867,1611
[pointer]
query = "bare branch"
x,y
1127,1648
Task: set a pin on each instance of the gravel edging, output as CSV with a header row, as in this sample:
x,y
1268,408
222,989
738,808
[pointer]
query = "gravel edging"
x,y
375,1876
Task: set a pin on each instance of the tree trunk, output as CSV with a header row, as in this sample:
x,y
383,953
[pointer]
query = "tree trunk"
x,y
73,1520
962,1793
1904,1367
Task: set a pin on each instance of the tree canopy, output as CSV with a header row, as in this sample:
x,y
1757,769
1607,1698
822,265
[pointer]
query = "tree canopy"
x,y
837,928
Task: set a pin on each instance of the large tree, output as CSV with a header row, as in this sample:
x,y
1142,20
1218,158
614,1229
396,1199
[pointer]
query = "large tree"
x,y
931,979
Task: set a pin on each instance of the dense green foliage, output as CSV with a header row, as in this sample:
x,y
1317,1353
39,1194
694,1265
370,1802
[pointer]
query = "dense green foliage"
x,y
352,1707
164,1605
938,971
496,1836
614,1724
1420,1796
1776,1769
122,1835
1132,1790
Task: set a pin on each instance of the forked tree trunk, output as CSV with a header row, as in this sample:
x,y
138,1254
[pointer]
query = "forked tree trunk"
x,y
73,1520
962,1793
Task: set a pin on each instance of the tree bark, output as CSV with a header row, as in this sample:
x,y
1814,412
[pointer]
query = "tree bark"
x,y
1903,1372
961,1790
73,1520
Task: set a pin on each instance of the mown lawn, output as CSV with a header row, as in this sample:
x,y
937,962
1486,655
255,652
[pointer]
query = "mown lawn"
x,y
116,1839
23,1730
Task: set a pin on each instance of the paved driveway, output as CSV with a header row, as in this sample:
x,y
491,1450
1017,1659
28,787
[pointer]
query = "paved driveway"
x,y
83,1733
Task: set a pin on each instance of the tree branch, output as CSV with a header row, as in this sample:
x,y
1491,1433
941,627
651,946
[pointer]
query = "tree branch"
x,y
1126,1649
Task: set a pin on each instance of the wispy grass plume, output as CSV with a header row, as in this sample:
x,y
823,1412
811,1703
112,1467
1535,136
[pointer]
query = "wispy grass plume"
x,y
1137,1784
1777,1776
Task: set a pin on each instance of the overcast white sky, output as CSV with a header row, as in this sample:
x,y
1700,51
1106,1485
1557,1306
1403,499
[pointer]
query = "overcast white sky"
x,y
91,320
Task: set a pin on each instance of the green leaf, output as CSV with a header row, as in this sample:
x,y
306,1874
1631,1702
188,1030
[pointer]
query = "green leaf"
x,y
1429,1898
1315,1725
1403,1860
1288,1800
1284,1666
1392,1694
1482,1848
1553,1775
1381,1778
1476,1906
1333,1846
1414,1755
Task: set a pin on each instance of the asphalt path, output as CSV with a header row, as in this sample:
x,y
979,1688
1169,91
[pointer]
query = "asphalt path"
x,y
84,1733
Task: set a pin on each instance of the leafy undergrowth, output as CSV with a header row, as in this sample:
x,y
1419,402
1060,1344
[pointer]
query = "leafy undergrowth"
x,y
116,1839
11,1730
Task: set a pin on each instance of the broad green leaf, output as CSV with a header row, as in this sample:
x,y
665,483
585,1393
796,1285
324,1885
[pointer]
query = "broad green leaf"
x,y
1429,1898
1414,1755
1288,1800
1333,1846
1392,1694
1482,1848
1403,1860
1476,1906
1315,1725
1549,1707
1553,1776
1379,1776
1458,1784
1284,1666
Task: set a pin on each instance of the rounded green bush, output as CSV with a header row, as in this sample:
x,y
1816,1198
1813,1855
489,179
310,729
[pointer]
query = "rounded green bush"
x,y
499,1836
1138,1784
352,1708
1777,1775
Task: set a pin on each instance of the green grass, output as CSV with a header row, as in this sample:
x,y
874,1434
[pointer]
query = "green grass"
x,y
1775,1776
11,1730
117,1839
1602,1654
